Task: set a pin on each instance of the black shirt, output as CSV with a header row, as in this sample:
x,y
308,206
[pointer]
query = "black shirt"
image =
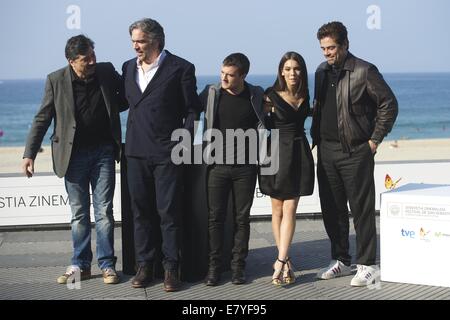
x,y
235,112
92,119
328,113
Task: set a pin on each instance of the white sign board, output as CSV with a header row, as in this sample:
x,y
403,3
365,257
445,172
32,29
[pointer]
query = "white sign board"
x,y
262,206
434,172
41,199
415,234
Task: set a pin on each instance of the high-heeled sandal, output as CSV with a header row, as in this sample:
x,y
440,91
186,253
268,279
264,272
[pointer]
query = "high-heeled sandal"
x,y
277,277
288,272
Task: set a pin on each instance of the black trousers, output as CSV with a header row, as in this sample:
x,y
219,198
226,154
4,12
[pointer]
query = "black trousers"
x,y
155,191
348,177
240,180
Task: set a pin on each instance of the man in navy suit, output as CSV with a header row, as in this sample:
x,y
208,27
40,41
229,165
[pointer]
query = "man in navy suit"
x,y
162,94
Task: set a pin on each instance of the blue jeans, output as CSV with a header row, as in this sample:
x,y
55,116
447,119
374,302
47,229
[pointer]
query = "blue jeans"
x,y
94,167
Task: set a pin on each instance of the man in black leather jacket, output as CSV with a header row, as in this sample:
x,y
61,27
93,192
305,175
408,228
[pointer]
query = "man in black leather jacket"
x,y
354,109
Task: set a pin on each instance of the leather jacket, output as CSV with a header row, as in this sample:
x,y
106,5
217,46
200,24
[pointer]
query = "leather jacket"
x,y
366,105
209,99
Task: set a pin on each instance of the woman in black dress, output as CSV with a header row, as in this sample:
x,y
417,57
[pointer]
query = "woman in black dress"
x,y
288,105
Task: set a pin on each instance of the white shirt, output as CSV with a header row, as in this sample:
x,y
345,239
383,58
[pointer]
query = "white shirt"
x,y
143,77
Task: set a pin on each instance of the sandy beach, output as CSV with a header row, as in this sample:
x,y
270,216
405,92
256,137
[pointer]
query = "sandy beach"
x,y
399,150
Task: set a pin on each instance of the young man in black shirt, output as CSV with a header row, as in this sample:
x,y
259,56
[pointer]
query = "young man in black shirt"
x,y
233,112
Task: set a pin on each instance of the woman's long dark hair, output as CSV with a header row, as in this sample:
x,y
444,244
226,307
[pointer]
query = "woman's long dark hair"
x,y
280,83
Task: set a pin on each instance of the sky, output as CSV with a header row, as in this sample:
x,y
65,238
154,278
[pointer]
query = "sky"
x,y
395,35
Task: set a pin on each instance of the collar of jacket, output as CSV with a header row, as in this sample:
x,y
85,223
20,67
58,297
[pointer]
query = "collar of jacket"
x,y
349,64
251,88
256,97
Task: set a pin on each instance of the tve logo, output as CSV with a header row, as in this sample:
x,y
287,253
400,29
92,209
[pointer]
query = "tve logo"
x,y
408,234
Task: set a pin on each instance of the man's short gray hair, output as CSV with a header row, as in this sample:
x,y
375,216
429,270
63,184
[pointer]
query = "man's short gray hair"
x,y
151,28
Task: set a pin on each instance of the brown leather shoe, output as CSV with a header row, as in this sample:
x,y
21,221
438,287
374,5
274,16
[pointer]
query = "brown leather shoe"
x,y
171,281
143,277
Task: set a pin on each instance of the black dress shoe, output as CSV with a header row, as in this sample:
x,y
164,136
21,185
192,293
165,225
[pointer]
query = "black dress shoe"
x,y
212,278
143,277
171,281
238,277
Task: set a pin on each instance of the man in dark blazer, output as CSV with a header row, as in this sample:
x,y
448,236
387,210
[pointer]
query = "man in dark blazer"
x,y
162,95
84,100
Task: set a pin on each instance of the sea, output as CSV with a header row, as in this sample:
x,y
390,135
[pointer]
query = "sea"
x,y
424,105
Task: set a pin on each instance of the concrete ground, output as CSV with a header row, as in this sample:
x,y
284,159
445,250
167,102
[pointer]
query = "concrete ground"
x,y
30,262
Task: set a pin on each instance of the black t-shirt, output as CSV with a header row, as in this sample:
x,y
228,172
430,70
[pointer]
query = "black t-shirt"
x,y
328,119
236,112
93,127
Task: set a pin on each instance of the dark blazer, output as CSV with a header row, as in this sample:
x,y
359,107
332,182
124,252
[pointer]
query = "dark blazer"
x,y
169,102
58,104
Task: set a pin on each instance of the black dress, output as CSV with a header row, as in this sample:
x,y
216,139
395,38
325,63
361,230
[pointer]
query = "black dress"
x,y
295,176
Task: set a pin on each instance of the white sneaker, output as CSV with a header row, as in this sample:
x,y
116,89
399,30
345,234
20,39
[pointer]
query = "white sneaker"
x,y
366,275
334,270
71,273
